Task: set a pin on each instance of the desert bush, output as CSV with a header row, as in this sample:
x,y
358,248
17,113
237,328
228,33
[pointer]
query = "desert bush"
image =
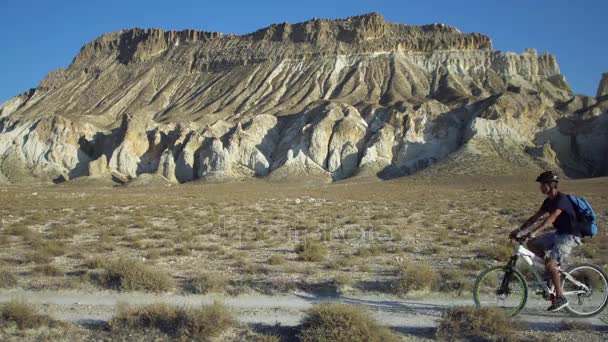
x,y
38,258
62,232
50,247
44,251
500,252
47,270
365,252
186,324
7,279
342,323
418,276
104,237
472,265
343,280
153,254
266,338
23,315
18,229
132,275
452,281
181,251
207,282
576,325
277,259
94,262
311,251
475,324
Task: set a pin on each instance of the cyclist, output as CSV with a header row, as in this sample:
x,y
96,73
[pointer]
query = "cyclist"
x,y
554,247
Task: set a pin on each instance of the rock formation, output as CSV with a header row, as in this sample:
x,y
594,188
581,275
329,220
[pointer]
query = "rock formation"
x,y
329,99
602,89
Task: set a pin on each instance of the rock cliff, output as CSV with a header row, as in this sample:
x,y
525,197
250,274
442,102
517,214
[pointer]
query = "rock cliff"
x,y
330,99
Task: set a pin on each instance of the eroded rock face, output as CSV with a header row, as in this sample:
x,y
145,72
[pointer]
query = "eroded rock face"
x,y
602,89
324,98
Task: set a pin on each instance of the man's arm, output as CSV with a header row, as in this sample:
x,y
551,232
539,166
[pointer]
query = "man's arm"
x,y
547,223
529,222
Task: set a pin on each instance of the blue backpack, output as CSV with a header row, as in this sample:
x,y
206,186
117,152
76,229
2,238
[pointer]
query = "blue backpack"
x,y
584,215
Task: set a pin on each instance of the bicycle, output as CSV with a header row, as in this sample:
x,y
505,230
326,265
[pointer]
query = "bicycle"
x,y
584,285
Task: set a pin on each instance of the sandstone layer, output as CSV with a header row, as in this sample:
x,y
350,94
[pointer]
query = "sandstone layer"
x,y
328,99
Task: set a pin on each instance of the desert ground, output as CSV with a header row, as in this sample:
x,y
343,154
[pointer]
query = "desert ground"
x,y
405,250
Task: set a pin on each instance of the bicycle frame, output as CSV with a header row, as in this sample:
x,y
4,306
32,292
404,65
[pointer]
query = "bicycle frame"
x,y
531,258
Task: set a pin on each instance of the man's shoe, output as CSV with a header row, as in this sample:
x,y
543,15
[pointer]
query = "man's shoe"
x,y
558,304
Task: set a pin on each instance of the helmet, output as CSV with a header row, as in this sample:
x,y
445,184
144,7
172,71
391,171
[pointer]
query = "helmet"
x,y
548,177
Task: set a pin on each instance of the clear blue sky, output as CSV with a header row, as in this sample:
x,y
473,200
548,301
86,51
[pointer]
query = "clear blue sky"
x,y
38,36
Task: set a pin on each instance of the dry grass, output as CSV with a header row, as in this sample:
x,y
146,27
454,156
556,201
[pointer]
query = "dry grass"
x,y
24,316
207,282
453,281
186,324
132,275
475,324
342,323
276,259
311,251
419,276
7,279
500,252
47,270
249,232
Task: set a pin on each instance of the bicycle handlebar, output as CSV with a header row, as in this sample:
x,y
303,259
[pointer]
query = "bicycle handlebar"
x,y
521,239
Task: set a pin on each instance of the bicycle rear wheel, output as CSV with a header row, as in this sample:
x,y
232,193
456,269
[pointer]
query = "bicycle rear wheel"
x,y
587,291
503,288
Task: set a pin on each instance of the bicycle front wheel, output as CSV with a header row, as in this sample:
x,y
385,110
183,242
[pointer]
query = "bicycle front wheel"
x,y
503,288
586,288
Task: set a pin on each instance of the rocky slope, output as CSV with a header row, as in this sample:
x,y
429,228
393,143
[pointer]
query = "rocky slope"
x,y
328,99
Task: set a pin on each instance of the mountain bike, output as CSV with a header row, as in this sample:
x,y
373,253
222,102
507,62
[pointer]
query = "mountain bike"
x,y
584,285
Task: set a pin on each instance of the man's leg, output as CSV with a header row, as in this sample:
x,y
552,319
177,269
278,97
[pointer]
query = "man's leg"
x,y
540,244
552,271
561,250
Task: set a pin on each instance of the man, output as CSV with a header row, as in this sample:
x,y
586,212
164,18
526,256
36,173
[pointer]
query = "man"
x,y
554,247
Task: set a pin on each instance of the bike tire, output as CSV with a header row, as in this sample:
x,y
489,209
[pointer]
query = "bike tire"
x,y
485,292
597,279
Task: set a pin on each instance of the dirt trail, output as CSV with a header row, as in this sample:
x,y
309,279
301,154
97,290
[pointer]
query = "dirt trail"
x,y
414,316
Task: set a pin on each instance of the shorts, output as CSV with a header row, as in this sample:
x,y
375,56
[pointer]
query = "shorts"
x,y
557,246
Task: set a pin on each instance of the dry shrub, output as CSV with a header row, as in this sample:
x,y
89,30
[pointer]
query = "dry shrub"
x,y
23,315
190,324
342,323
132,275
7,279
576,325
452,281
415,277
94,262
472,265
207,282
62,232
311,251
47,270
343,280
44,251
267,338
475,324
277,260
499,252
153,254
18,229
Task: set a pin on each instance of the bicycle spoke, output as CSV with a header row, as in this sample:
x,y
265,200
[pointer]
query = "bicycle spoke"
x,y
586,288
497,288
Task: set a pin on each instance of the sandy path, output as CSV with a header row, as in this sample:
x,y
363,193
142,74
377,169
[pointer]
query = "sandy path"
x,y
403,314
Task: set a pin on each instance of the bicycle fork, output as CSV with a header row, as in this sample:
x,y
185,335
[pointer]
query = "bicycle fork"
x,y
504,285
